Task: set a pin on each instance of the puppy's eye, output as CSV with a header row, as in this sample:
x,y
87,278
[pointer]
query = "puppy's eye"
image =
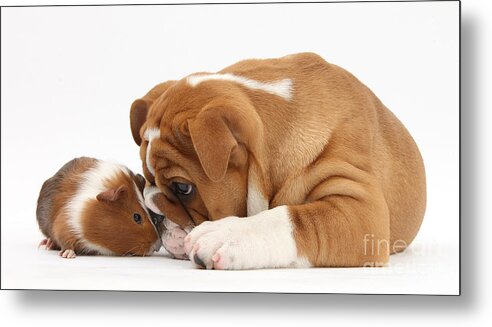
x,y
183,188
137,218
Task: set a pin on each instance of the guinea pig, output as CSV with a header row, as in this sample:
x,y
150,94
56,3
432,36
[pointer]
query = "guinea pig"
x,y
95,207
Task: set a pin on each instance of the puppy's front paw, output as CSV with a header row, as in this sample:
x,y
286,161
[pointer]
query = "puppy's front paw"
x,y
223,244
264,240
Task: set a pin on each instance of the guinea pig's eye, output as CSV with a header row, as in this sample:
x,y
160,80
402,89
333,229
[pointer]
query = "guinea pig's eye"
x,y
183,188
137,218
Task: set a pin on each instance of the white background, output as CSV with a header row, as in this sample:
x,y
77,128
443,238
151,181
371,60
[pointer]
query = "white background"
x,y
356,52
70,75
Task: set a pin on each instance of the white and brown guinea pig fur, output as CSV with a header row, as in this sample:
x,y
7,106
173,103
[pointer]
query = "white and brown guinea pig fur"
x,y
93,207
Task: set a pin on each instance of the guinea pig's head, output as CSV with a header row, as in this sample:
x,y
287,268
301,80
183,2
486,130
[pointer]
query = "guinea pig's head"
x,y
117,219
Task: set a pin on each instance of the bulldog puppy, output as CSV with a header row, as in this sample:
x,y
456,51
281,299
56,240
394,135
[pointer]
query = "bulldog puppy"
x,y
288,162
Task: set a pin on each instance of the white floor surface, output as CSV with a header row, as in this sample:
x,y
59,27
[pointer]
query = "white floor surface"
x,y
417,271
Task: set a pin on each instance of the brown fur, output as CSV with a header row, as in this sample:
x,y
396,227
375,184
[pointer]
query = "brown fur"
x,y
55,193
349,171
107,220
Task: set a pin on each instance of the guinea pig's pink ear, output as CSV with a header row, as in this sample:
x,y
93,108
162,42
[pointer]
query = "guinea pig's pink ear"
x,y
112,195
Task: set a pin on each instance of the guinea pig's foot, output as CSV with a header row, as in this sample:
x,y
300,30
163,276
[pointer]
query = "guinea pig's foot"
x,y
48,244
43,243
68,254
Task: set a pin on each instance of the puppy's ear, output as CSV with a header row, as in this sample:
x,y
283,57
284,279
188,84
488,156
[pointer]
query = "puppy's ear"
x,y
138,116
140,108
225,135
213,142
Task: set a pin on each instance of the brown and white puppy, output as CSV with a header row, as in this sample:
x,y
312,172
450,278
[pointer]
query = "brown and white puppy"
x,y
322,172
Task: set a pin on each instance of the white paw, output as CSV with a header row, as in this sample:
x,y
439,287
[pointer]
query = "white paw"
x,y
68,253
216,245
261,241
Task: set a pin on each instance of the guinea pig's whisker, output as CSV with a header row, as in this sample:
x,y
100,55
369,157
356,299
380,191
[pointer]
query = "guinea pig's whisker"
x,y
128,252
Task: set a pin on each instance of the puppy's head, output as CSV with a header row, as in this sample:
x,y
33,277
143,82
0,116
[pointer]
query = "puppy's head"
x,y
196,144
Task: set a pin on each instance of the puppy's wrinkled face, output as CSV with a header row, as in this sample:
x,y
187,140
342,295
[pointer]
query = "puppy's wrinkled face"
x,y
195,167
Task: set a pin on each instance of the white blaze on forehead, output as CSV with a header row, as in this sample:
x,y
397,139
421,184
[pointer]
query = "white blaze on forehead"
x,y
282,88
149,135
92,183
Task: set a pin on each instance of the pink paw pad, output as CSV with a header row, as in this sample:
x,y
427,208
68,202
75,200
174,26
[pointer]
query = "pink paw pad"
x,y
218,263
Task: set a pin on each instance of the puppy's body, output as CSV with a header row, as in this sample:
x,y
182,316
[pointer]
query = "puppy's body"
x,y
324,171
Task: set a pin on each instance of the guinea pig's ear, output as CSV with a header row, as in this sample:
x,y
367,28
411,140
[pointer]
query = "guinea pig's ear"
x,y
112,195
140,109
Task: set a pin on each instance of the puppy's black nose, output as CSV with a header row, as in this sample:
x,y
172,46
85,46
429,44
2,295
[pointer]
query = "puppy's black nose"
x,y
156,218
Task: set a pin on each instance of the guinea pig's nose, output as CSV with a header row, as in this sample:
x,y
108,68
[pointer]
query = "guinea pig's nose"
x,y
156,218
